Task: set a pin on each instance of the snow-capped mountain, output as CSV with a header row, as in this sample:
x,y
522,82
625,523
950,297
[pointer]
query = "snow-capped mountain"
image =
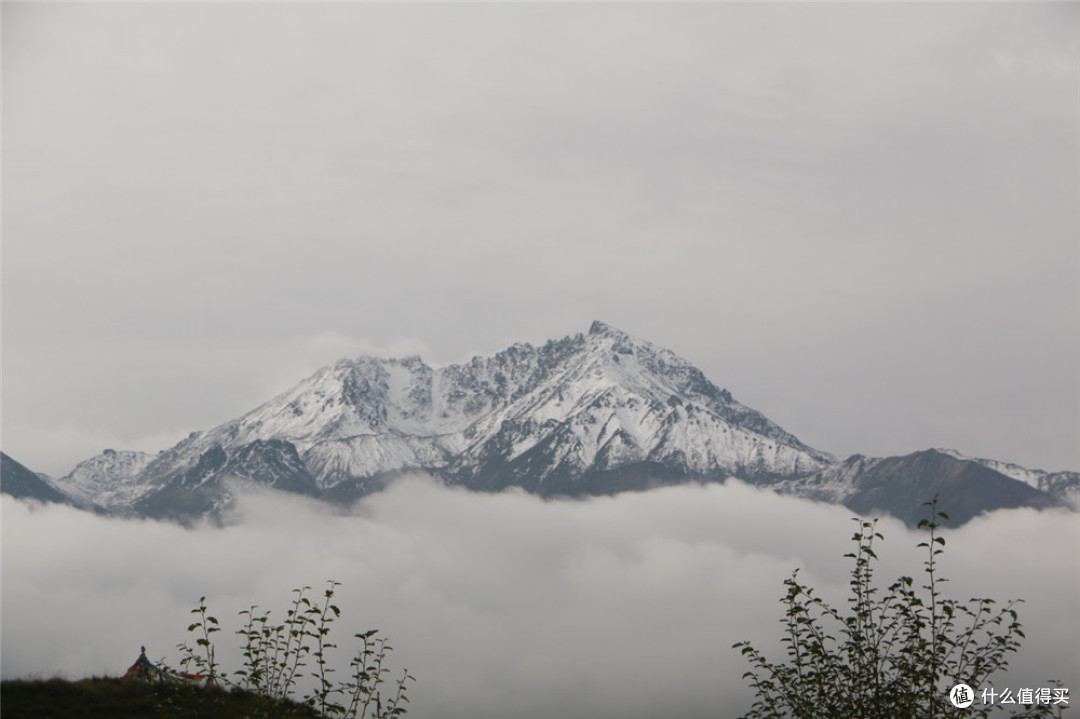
x,y
594,413
1063,485
109,480
555,419
901,485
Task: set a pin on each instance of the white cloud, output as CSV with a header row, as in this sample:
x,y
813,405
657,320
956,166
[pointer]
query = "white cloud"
x,y
506,605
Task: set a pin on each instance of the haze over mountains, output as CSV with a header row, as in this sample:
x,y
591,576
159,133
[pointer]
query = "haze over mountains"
x,y
594,413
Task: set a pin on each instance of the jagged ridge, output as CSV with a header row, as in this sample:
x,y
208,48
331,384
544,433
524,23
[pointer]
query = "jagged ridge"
x,y
593,413
543,418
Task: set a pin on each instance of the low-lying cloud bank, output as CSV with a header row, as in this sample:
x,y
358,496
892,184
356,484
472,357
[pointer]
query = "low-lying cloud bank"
x,y
506,606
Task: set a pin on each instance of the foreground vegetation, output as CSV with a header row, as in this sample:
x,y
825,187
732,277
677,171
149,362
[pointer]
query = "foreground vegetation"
x,y
281,658
905,651
287,672
111,698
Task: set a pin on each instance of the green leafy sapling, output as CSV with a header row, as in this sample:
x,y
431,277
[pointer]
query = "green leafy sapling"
x,y
893,654
201,659
275,657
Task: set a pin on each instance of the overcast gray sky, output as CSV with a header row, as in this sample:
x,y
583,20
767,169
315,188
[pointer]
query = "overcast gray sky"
x,y
862,220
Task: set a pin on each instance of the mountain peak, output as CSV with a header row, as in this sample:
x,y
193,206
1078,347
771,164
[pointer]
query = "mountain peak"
x,y
586,414
569,417
606,330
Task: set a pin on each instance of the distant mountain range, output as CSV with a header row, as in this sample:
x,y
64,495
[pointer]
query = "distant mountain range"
x,y
595,413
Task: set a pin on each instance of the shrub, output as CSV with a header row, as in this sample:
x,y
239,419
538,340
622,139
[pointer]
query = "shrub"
x,y
279,656
894,654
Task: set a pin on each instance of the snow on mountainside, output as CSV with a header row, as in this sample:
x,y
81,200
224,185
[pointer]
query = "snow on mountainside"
x,y
1063,485
616,401
109,480
593,413
901,485
586,403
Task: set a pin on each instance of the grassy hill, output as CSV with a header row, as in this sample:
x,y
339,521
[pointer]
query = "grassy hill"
x,y
107,698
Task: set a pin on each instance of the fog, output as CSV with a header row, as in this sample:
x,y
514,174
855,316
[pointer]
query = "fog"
x,y
507,605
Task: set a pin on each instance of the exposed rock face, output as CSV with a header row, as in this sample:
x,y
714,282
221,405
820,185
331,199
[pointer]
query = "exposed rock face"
x,y
901,485
18,481
594,413
109,481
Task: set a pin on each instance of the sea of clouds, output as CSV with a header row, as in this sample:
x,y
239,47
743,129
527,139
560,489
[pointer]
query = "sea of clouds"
x,y
508,606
